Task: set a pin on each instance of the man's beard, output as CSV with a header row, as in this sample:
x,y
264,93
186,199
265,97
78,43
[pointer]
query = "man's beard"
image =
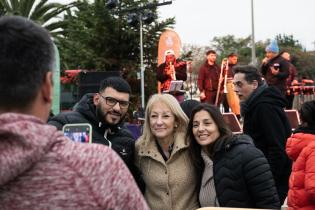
x,y
101,116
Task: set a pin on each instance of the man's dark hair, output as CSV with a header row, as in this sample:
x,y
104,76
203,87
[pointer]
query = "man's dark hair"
x,y
251,73
117,83
293,58
26,55
210,52
232,55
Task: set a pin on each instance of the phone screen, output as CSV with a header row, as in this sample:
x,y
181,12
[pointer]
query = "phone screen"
x,y
78,132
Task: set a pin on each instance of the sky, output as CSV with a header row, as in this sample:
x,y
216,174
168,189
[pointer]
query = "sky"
x,y
199,21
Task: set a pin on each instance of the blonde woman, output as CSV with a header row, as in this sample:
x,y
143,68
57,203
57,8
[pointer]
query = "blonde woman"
x,y
162,156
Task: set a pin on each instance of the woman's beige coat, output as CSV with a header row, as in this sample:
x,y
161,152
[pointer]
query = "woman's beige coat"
x,y
170,185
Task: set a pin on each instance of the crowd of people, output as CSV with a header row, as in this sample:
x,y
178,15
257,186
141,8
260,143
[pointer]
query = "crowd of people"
x,y
186,157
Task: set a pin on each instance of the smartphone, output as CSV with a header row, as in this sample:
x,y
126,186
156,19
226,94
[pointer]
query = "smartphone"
x,y
80,132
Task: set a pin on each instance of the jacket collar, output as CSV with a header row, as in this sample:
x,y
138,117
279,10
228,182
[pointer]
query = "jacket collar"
x,y
245,106
227,144
148,148
297,143
305,129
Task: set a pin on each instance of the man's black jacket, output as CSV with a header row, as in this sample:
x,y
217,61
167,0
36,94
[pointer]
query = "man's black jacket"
x,y
119,136
268,125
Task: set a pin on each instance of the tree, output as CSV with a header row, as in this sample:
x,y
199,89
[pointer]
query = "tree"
x,y
229,44
288,41
101,39
197,54
39,11
96,38
304,61
2,11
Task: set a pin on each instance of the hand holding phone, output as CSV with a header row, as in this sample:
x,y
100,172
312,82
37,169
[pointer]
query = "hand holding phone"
x,y
80,132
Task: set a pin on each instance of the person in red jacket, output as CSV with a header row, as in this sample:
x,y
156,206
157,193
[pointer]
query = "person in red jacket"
x,y
301,149
208,78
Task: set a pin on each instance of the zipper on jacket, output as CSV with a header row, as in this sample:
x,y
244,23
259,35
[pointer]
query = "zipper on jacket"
x,y
105,135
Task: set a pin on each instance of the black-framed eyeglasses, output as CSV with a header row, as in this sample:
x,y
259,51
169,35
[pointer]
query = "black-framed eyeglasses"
x,y
113,101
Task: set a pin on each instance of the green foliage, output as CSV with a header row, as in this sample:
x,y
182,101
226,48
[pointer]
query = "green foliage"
x,y
195,53
229,44
2,10
39,11
304,61
305,64
95,38
287,41
260,50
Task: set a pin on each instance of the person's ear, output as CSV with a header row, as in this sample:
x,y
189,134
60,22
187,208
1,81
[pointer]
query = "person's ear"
x,y
47,87
255,84
96,99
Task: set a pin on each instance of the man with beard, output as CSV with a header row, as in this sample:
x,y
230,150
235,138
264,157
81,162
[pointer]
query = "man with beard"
x,y
208,78
105,111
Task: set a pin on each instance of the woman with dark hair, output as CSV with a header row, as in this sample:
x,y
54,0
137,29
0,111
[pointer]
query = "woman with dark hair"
x,y
231,170
301,149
